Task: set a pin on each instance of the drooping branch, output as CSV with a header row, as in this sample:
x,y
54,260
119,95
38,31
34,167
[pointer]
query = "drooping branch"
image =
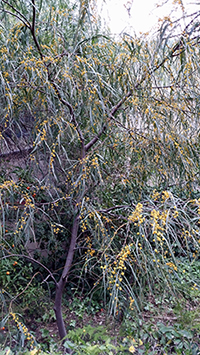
x,y
111,114
32,29
20,16
175,48
71,111
16,16
64,102
179,46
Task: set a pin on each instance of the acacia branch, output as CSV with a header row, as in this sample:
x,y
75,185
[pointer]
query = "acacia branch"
x,y
69,106
22,18
33,19
11,13
115,108
112,112
178,46
32,28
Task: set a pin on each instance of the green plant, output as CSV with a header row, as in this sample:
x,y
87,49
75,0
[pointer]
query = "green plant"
x,y
35,351
49,316
17,334
176,339
80,305
91,340
156,337
109,196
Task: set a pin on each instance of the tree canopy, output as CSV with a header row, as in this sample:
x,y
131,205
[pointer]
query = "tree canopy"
x,y
99,154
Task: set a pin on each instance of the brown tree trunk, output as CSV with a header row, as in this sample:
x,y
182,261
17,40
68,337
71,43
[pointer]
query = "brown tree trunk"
x,y
62,282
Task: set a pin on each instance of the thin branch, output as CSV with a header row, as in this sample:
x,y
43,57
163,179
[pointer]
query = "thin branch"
x,y
32,260
24,288
33,19
32,29
11,13
16,153
69,106
23,18
114,208
178,46
112,112
132,131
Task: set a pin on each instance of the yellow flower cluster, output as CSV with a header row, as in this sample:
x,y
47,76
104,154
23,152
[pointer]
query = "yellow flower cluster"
x,y
7,184
155,195
28,201
117,273
56,228
136,215
22,223
176,213
22,328
53,154
131,303
95,162
165,195
83,221
90,251
158,221
172,266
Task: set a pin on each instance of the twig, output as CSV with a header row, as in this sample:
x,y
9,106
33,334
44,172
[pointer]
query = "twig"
x,y
114,208
32,260
23,18
112,112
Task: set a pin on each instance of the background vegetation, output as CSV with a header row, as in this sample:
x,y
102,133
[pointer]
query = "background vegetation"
x,y
99,185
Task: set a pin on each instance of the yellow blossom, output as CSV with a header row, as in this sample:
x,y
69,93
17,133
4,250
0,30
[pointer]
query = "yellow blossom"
x,y
132,349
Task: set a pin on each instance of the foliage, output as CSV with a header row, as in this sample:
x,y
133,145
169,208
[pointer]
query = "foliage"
x,y
79,306
107,198
169,336
92,341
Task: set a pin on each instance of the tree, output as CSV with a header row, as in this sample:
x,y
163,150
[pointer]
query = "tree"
x,y
114,143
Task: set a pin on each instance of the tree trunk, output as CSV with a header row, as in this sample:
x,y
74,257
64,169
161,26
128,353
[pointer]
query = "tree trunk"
x,y
61,284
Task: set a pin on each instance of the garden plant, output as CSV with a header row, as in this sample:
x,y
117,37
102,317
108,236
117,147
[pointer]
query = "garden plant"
x,y
99,162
